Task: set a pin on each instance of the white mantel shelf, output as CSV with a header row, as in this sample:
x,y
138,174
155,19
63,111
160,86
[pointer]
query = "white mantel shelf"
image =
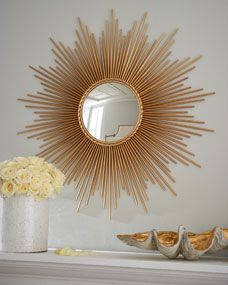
x,y
109,268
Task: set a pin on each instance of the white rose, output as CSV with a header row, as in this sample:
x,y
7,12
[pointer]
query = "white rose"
x,y
35,184
11,163
22,161
45,177
23,176
35,160
8,189
33,192
35,171
47,191
8,173
58,178
23,189
3,163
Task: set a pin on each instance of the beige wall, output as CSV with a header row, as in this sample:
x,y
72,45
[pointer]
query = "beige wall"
x,y
26,25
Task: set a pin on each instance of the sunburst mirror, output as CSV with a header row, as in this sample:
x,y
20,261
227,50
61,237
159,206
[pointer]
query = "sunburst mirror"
x,y
113,112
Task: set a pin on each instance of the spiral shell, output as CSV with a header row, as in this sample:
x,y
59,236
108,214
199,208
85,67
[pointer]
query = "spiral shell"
x,y
171,244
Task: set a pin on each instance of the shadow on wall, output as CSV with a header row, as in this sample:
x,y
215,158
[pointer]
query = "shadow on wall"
x,y
126,210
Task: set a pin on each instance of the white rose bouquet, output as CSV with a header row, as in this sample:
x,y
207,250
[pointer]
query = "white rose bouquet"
x,y
31,176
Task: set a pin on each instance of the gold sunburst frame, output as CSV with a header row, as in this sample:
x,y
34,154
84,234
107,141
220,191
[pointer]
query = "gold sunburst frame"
x,y
164,103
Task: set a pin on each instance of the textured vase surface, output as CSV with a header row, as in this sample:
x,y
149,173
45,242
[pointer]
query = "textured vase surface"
x,y
25,224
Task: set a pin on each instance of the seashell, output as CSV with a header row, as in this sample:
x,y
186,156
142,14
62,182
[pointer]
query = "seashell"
x,y
172,244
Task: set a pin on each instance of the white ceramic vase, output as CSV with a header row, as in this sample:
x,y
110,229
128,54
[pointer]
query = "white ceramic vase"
x,y
25,224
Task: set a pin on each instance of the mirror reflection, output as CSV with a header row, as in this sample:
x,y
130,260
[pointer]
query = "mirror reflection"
x,y
110,112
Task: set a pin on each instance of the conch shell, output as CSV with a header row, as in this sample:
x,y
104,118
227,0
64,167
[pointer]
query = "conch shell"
x,y
171,244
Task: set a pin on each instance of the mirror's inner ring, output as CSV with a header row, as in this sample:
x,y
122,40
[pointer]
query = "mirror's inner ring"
x,y
86,94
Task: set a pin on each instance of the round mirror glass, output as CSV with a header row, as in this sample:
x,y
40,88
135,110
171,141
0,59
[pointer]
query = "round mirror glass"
x,y
110,112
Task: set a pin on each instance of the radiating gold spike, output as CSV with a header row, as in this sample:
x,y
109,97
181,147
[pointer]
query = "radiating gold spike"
x,y
164,113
